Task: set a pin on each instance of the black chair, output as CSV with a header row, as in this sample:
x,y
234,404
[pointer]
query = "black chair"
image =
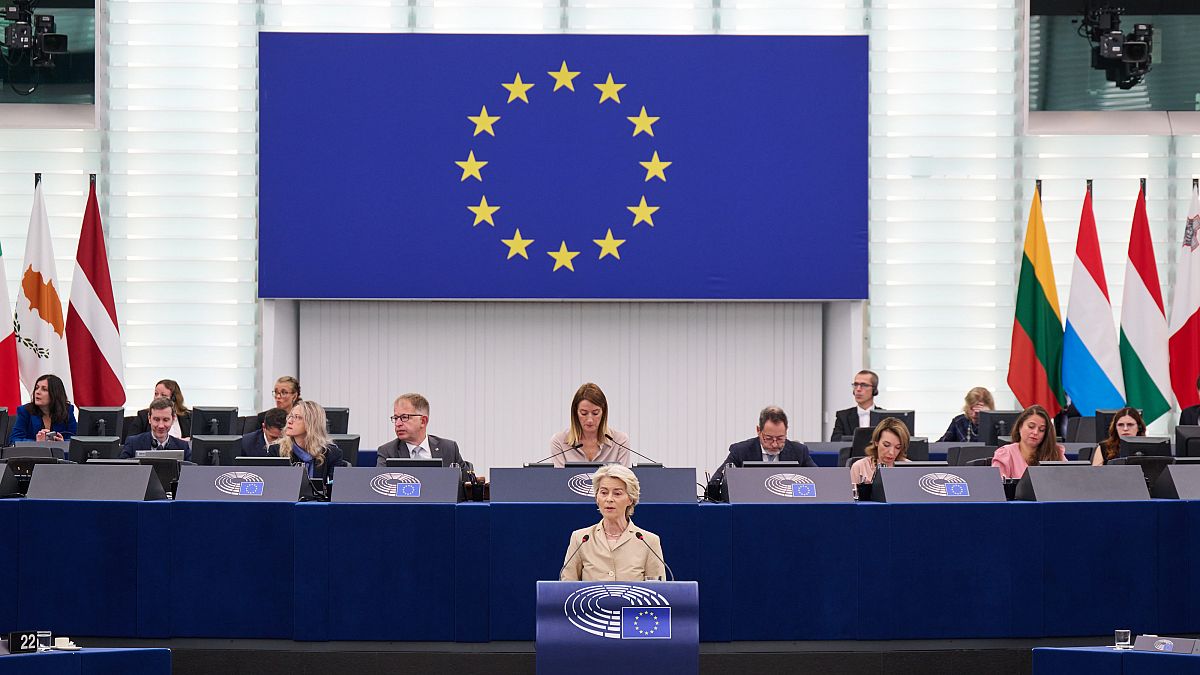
x,y
847,455
247,424
918,449
1081,430
961,456
127,427
1087,453
7,421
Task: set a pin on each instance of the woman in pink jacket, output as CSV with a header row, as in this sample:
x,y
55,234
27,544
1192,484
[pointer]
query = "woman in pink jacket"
x,y
1034,443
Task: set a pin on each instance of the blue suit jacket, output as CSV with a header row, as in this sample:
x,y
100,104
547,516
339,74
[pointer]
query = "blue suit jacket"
x,y
27,426
749,450
254,444
144,441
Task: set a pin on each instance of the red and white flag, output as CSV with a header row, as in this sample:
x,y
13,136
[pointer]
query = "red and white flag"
x,y
1185,311
10,375
97,370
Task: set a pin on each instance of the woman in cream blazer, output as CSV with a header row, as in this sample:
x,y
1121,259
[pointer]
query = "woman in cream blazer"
x,y
614,549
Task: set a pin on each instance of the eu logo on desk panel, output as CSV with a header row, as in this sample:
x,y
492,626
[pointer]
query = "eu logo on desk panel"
x,y
394,484
1164,645
944,485
619,611
581,484
790,485
239,483
565,166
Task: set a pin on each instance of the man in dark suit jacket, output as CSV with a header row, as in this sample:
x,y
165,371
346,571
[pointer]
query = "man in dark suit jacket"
x,y
256,443
1191,414
769,445
162,417
865,388
410,419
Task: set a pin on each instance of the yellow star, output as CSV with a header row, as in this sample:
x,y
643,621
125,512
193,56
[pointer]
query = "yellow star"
x,y
483,121
471,167
563,77
642,212
562,257
517,245
608,245
483,212
654,168
609,90
642,122
516,89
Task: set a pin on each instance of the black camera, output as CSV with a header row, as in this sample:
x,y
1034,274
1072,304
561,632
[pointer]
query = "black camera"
x,y
1124,58
31,35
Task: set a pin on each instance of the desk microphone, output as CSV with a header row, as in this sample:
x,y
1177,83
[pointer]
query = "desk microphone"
x,y
581,543
214,426
653,461
560,452
656,555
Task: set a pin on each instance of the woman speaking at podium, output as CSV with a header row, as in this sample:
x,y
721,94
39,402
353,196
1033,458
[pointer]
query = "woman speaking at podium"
x,y
614,549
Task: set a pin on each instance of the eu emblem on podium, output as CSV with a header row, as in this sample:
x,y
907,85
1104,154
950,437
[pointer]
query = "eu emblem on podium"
x,y
645,623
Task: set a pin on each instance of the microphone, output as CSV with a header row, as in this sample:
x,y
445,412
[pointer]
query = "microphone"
x,y
653,461
656,555
214,426
583,541
560,452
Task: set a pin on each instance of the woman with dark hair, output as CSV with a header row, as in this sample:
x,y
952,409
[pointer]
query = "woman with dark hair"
x,y
1033,442
889,444
48,416
168,389
589,439
1126,422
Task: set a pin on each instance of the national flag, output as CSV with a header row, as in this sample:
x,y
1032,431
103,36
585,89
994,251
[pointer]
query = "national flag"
x,y
1144,324
1035,361
39,324
1091,369
10,376
1185,311
93,335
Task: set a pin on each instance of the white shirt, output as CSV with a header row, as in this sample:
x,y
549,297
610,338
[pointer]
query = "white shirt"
x,y
864,416
769,456
421,450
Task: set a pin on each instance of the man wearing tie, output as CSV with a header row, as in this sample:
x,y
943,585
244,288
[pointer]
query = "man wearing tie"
x,y
410,418
770,445
256,443
865,388
161,418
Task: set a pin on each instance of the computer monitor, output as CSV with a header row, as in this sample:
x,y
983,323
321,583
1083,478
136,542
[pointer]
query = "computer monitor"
x,y
583,465
410,463
960,456
166,468
18,471
100,421
908,417
337,421
996,423
862,438
1069,462
1103,420
1187,441
923,463
31,450
216,450
348,444
210,421
768,465
84,448
262,461
1145,446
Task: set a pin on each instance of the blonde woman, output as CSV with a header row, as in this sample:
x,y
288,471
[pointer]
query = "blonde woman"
x,y
965,427
306,442
614,549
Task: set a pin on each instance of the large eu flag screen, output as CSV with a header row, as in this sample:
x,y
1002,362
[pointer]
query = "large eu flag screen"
x,y
563,166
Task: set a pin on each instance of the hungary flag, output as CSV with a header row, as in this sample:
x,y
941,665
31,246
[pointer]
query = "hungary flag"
x,y
1143,347
10,375
1035,362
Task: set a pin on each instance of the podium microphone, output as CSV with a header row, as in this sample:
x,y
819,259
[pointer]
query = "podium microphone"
x,y
652,461
581,543
560,452
656,555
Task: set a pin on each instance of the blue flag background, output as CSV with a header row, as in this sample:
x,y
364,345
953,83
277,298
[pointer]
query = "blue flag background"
x,y
764,197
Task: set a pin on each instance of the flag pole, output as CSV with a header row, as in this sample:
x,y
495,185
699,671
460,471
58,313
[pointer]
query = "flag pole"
x,y
92,179
1143,181
1038,183
37,178
1089,186
1196,182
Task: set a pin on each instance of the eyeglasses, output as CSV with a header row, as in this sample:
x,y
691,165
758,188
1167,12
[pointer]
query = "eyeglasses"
x,y
774,439
404,418
292,418
279,393
860,385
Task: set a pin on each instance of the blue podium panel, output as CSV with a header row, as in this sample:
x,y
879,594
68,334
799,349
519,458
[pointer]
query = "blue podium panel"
x,y
89,662
647,627
381,485
79,563
154,536
10,551
1077,661
547,484
472,571
1158,663
789,485
796,571
232,569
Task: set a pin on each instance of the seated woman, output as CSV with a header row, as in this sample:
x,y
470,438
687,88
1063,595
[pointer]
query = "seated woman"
x,y
1034,442
168,389
1126,422
965,427
306,442
589,439
48,417
286,394
889,444
610,550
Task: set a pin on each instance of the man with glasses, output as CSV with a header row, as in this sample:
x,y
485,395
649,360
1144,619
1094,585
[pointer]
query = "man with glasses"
x,y
865,388
410,418
770,445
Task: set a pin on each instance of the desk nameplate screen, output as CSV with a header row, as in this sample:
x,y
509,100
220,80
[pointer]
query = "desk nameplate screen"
x,y
241,484
789,485
545,484
424,485
938,485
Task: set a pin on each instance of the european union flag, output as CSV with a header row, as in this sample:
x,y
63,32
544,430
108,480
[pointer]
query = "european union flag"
x,y
250,488
958,490
563,166
645,623
408,489
804,490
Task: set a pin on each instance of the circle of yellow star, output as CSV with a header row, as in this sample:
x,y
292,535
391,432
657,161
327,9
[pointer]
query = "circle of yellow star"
x,y
517,245
642,212
517,89
563,77
563,257
471,168
609,89
642,122
608,245
483,122
654,168
483,212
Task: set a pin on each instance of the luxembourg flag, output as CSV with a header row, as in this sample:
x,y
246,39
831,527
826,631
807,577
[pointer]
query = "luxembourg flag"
x,y
1091,367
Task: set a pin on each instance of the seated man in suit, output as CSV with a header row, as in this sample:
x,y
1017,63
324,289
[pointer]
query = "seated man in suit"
x,y
770,445
162,418
865,388
1191,414
256,443
410,419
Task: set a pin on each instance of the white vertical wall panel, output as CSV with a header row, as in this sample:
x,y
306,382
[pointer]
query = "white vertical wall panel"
x,y
684,380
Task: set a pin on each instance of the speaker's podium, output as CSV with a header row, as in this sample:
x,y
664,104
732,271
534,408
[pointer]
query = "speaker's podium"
x,y
631,627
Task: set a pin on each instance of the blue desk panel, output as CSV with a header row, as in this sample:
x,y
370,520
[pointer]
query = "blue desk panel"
x,y
1155,663
1108,661
89,662
10,551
